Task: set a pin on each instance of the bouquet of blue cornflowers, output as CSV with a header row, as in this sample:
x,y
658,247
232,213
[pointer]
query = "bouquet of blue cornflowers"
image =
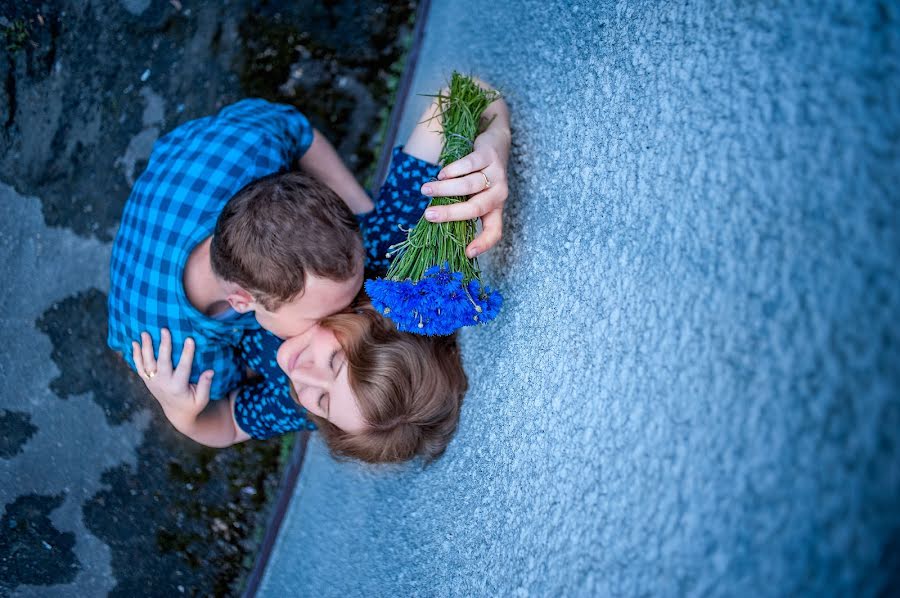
x,y
431,287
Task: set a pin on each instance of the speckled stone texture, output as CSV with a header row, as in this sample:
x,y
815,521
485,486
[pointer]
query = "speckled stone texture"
x,y
693,387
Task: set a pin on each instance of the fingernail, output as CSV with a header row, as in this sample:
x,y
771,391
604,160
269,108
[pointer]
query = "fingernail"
x,y
431,215
474,252
426,190
441,175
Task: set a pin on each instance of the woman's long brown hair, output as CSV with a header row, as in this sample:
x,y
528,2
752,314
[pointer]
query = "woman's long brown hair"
x,y
409,389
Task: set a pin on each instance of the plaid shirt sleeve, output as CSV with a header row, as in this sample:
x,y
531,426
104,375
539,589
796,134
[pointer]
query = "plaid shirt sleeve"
x,y
192,173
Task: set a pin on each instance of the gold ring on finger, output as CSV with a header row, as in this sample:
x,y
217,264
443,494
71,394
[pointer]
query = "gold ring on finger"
x,y
487,182
149,374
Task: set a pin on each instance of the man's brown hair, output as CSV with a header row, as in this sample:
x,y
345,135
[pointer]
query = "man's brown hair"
x,y
280,228
409,389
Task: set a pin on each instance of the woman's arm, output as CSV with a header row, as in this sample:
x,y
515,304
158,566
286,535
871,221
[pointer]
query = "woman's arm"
x,y
323,162
215,426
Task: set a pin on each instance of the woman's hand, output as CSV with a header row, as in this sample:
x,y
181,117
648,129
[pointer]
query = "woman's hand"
x,y
481,174
181,401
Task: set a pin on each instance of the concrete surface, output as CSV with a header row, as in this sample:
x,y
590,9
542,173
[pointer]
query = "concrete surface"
x,y
693,387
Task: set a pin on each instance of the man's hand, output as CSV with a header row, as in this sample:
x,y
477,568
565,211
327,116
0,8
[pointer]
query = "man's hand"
x,y
181,401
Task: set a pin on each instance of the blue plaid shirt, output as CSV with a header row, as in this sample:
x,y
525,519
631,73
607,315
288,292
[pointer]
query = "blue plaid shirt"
x,y
193,171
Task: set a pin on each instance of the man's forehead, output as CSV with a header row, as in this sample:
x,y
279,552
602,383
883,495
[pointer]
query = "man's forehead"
x,y
323,297
317,285
315,282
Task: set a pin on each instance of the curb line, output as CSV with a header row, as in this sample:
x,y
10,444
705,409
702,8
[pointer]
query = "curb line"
x,y
285,493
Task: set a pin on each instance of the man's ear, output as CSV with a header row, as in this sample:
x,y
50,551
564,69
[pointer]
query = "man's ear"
x,y
240,300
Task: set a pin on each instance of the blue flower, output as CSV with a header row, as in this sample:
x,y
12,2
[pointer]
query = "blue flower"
x,y
398,300
438,304
442,275
490,301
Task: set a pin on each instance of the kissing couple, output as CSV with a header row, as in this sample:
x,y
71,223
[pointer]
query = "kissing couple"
x,y
236,281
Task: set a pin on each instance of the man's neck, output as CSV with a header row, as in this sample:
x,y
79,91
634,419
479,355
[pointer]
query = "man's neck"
x,y
203,288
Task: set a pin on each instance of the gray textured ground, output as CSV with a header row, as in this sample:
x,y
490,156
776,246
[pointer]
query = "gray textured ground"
x,y
693,389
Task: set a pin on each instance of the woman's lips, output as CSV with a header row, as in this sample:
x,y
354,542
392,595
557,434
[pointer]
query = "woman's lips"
x,y
293,361
302,343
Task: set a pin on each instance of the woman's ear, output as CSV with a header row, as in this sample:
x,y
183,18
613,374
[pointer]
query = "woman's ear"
x,y
240,300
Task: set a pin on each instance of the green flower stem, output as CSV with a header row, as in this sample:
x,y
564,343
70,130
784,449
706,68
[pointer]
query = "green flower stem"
x,y
434,243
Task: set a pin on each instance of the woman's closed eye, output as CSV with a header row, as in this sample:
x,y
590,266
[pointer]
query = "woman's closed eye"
x,y
335,365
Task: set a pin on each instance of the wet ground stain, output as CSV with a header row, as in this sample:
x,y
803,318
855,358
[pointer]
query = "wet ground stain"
x,y
32,551
80,83
192,510
15,430
332,61
77,327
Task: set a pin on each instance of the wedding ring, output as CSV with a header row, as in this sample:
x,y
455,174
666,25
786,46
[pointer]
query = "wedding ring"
x,y
149,374
487,183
